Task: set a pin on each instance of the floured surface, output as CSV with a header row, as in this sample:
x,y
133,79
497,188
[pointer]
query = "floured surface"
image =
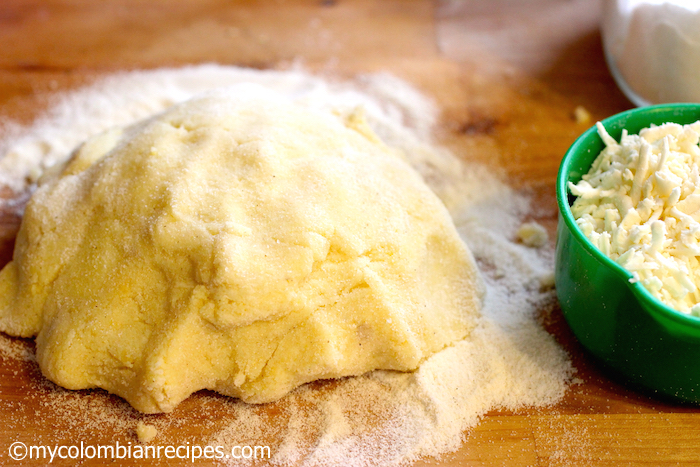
x,y
384,418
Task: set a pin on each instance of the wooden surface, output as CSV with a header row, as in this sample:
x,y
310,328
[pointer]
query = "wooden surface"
x,y
508,74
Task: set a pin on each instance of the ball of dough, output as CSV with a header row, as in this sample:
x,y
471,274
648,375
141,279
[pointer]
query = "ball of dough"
x,y
243,245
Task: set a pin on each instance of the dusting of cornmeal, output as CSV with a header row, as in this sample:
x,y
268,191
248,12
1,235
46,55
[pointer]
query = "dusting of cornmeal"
x,y
508,361
145,432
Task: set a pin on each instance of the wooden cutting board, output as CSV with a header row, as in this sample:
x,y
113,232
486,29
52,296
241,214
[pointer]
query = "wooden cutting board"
x,y
508,75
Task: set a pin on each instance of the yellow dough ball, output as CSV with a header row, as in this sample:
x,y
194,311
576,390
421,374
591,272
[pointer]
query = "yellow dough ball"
x,y
243,245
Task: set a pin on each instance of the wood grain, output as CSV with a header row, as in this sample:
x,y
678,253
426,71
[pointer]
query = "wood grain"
x,y
508,76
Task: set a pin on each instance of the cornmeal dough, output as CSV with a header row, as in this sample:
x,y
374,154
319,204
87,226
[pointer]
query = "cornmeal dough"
x,y
145,432
239,244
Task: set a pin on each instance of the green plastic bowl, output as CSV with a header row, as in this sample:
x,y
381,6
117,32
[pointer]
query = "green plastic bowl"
x,y
638,339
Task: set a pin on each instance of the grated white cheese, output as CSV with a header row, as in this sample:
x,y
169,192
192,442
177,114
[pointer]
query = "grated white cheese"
x,y
640,205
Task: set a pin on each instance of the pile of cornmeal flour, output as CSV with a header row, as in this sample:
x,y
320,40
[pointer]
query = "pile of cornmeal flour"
x,y
382,418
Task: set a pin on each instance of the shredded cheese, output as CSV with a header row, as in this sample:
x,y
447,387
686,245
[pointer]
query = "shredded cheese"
x,y
640,205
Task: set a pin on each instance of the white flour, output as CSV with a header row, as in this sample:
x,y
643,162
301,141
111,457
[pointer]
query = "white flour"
x,y
653,48
382,418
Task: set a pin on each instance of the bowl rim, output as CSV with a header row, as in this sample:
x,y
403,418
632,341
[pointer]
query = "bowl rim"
x,y
640,292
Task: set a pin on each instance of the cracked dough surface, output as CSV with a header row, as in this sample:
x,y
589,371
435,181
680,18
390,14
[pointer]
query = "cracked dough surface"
x,y
242,245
